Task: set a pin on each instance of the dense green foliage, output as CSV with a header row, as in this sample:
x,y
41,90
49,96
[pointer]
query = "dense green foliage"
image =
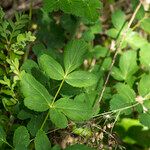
x,y
73,77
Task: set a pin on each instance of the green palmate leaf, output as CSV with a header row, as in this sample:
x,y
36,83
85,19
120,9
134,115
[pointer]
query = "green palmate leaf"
x,y
32,68
144,86
87,9
100,51
81,79
118,19
117,74
144,56
132,38
58,118
41,141
127,66
73,54
74,110
2,135
112,32
36,96
145,24
51,67
106,63
145,119
51,5
88,36
21,137
125,91
124,98
119,102
89,98
90,10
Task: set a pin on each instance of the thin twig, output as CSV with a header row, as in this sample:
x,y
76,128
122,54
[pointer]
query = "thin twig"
x,y
116,110
117,51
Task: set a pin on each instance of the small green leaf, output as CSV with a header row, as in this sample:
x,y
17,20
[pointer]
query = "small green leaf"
x,y
112,32
125,91
118,19
128,64
51,67
81,79
117,74
2,135
132,38
124,98
41,141
58,118
74,110
144,57
100,51
119,102
145,24
144,86
36,96
145,119
73,55
106,63
21,137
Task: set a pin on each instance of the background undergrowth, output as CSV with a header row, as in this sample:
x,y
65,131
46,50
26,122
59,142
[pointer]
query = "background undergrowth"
x,y
74,75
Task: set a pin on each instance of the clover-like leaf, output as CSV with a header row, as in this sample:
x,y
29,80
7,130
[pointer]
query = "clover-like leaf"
x,y
21,137
145,119
144,56
36,96
73,55
118,19
41,141
144,86
74,110
51,67
81,79
58,118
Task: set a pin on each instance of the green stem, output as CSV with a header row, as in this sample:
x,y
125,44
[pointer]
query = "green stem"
x,y
45,120
116,110
61,84
30,11
8,144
